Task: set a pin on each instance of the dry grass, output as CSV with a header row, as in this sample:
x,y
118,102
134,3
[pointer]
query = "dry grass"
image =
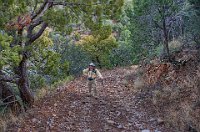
x,y
134,80
179,99
48,89
5,120
139,83
41,92
175,93
175,45
3,125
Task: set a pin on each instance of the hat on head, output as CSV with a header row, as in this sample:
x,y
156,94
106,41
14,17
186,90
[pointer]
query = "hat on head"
x,y
92,64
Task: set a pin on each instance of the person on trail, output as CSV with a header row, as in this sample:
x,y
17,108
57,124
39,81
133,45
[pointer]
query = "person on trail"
x,y
92,73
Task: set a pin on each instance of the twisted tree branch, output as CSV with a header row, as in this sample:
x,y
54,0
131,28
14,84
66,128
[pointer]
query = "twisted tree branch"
x,y
42,7
39,33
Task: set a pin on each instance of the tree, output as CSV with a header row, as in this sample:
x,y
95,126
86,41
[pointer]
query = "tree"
x,y
132,35
192,20
9,56
162,16
31,18
99,45
45,65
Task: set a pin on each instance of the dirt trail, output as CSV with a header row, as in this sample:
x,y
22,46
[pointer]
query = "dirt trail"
x,y
70,109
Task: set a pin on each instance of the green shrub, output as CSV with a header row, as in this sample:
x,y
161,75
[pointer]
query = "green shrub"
x,y
123,56
77,58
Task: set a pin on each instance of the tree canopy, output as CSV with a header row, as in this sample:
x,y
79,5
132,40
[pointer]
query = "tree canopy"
x,y
25,40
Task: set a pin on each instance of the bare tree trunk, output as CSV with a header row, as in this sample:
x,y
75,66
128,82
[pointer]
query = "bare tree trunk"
x,y
23,83
166,39
24,87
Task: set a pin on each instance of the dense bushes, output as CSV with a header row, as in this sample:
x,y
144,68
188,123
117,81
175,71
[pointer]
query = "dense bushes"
x,y
77,58
122,56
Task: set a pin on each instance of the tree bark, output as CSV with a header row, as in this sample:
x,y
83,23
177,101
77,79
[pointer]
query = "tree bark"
x,y
23,84
166,39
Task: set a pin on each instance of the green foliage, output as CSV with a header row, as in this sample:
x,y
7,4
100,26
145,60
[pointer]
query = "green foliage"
x,y
78,59
91,13
62,82
9,9
46,65
43,57
31,52
9,55
131,36
141,6
192,20
99,46
122,56
196,5
158,17
37,81
145,7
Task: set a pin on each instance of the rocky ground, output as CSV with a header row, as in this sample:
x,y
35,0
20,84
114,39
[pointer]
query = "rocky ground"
x,y
117,108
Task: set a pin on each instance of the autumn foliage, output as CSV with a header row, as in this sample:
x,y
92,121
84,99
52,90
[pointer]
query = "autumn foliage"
x,y
21,22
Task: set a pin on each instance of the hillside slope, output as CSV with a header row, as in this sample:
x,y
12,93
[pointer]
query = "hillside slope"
x,y
175,89
118,108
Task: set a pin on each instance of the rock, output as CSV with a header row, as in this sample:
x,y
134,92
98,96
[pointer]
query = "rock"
x,y
115,106
87,130
84,102
39,122
106,128
70,113
58,89
196,105
191,129
157,131
120,126
110,122
55,104
146,130
152,120
118,113
34,120
160,121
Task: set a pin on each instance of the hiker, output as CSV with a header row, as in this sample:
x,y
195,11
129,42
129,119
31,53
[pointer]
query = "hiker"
x,y
92,73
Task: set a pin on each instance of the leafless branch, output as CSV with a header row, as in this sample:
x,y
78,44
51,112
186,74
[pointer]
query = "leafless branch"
x,y
40,10
39,33
32,26
8,79
3,104
7,97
